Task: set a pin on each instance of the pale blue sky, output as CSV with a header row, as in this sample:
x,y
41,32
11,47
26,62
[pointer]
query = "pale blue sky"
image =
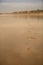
x,y
18,5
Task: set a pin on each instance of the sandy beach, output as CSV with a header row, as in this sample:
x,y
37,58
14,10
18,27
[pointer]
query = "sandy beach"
x,y
21,40
23,14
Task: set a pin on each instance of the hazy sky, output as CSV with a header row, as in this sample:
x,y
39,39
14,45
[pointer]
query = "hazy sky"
x,y
20,0
17,5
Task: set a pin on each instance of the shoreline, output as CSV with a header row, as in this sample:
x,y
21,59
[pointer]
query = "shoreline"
x,y
29,15
36,13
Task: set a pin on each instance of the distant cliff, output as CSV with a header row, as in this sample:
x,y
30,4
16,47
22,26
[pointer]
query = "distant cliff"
x,y
28,12
36,11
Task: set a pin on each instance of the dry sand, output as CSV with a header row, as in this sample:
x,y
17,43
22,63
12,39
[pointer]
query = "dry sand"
x,y
21,40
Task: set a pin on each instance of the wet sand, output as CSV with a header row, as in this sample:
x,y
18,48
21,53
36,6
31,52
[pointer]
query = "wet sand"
x,y
21,40
23,14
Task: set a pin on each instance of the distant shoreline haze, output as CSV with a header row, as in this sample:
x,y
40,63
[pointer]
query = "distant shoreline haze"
x,y
25,11
7,6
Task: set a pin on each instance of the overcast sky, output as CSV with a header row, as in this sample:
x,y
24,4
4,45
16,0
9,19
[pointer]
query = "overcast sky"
x,y
20,0
18,5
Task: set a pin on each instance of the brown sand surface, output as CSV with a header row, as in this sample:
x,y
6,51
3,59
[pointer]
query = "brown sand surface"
x,y
21,40
23,14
